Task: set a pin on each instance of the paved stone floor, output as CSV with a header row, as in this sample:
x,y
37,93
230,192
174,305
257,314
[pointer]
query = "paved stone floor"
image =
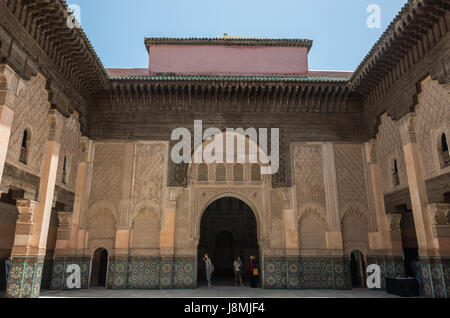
x,y
219,291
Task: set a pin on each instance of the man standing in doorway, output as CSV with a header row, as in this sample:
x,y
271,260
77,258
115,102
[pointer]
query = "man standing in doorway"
x,y
209,269
254,272
237,271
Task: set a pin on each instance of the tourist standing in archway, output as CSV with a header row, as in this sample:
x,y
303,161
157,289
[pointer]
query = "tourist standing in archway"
x,y
254,272
237,271
208,268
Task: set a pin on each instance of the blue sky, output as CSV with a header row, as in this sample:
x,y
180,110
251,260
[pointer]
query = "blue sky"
x,y
338,28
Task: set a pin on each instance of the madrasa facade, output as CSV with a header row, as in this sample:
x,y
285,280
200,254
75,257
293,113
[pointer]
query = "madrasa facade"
x,y
88,183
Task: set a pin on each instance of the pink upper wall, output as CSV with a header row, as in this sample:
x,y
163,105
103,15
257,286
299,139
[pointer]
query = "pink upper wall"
x,y
227,60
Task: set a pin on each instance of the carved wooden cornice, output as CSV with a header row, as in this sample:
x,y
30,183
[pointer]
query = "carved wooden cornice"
x,y
418,27
234,96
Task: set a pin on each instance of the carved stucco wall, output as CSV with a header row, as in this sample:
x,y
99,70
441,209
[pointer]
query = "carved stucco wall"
x,y
30,105
107,175
308,175
312,228
148,191
433,119
70,147
277,238
355,231
127,187
351,178
184,242
150,162
352,195
388,148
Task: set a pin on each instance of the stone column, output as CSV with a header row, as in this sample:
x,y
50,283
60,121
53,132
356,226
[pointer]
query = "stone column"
x,y
6,120
335,246
291,232
291,239
31,249
433,263
385,241
118,262
391,262
25,273
83,257
378,240
416,183
437,269
76,243
61,259
167,241
440,216
334,234
80,192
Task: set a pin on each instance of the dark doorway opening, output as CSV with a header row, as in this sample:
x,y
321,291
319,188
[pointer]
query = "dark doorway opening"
x,y
99,268
224,253
228,229
409,242
8,219
357,266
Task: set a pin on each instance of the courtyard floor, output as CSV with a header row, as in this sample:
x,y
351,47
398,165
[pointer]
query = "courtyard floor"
x,y
219,292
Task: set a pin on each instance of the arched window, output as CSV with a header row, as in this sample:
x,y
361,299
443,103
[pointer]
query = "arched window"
x,y
64,172
23,158
256,172
238,172
444,153
395,175
202,172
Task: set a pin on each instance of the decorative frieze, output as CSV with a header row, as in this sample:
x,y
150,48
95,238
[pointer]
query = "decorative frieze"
x,y
394,227
24,224
440,216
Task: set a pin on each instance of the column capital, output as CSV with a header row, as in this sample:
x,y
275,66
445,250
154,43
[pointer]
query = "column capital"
x,y
371,151
407,127
86,147
63,233
64,218
440,219
394,221
56,123
440,213
8,91
25,220
395,232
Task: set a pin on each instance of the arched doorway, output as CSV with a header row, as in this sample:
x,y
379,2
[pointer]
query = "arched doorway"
x,y
224,252
228,228
357,266
99,268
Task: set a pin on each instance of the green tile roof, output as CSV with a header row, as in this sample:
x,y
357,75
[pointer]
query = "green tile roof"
x,y
229,78
234,41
